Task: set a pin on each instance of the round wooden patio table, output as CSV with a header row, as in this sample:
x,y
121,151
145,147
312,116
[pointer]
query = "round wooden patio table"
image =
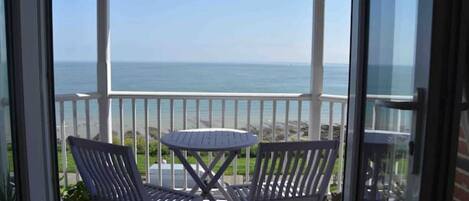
x,y
218,141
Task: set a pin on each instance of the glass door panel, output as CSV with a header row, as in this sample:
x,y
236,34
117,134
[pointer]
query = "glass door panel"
x,y
390,78
7,181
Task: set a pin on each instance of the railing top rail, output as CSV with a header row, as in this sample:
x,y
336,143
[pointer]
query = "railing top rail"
x,y
343,98
219,95
76,96
210,95
333,98
393,97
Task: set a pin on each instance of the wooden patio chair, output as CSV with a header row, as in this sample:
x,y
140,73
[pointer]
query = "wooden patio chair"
x,y
110,174
291,171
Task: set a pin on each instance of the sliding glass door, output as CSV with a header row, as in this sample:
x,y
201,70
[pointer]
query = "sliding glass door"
x,y
386,153
7,180
401,121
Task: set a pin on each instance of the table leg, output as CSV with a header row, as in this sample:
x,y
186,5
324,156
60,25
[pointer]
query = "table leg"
x,y
222,169
191,171
208,172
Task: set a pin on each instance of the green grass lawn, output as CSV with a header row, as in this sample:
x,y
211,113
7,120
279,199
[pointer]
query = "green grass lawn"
x,y
241,161
241,169
141,163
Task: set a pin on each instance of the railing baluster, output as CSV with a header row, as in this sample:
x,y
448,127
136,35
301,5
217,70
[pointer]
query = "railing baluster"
x,y
399,119
158,124
236,114
248,149
184,127
341,146
197,125
210,156
75,130
210,115
373,117
197,113
274,120
235,161
286,131
223,108
261,121
134,129
87,119
298,124
75,118
331,120
121,121
287,112
330,131
171,125
63,135
147,141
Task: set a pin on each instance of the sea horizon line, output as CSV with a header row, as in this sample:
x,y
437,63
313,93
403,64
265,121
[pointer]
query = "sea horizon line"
x,y
206,62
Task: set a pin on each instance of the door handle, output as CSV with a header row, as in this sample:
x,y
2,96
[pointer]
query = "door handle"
x,y
416,141
400,105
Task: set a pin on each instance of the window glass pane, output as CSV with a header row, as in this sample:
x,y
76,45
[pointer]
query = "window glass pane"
x,y
221,46
75,46
384,165
7,181
336,46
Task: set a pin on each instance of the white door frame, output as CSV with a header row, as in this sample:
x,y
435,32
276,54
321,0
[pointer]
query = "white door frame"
x,y
29,38
438,63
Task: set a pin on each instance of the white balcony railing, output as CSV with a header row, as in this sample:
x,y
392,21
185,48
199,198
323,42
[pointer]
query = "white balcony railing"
x,y
273,116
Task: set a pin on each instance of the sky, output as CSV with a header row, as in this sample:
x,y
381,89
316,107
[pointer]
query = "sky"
x,y
248,31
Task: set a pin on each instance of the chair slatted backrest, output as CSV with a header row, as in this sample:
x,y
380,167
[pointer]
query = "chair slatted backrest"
x,y
293,170
108,171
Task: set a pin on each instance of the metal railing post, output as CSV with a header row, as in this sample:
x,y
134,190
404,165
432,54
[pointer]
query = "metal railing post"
x,y
317,70
104,70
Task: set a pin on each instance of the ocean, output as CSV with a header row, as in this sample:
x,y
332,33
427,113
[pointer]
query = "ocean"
x,y
76,77
72,77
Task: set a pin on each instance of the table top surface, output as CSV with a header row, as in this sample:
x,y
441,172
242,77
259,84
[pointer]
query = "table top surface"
x,y
385,137
209,139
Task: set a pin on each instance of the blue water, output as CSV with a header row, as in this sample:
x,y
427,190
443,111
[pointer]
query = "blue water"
x,y
74,77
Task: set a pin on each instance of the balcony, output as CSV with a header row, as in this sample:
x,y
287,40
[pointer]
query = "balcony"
x,y
139,119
